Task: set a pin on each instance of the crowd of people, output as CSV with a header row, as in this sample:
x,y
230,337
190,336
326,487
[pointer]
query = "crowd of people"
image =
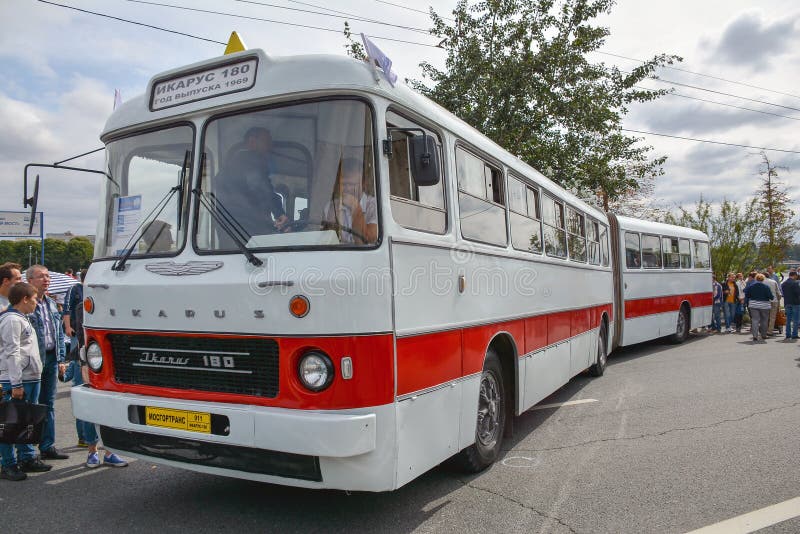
x,y
759,296
39,344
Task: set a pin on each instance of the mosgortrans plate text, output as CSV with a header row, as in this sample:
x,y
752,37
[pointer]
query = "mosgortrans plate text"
x,y
228,78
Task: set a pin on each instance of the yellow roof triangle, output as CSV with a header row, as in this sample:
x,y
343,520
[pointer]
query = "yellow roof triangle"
x,y
235,44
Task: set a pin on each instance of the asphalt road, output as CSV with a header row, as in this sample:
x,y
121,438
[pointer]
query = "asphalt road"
x,y
671,439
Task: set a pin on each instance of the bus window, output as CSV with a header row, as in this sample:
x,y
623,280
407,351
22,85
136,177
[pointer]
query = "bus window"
x,y
633,253
593,242
701,256
319,153
604,256
651,252
672,258
555,236
576,235
686,253
526,229
413,206
483,218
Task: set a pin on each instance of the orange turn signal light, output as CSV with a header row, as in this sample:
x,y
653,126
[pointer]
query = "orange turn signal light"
x,y
299,306
88,305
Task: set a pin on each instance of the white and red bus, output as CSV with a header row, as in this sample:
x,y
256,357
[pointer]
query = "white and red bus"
x,y
425,286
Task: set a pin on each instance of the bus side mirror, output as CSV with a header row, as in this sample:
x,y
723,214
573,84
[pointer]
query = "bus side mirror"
x,y
424,154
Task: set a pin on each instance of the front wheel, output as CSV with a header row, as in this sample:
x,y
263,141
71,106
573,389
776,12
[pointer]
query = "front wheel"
x,y
491,418
682,327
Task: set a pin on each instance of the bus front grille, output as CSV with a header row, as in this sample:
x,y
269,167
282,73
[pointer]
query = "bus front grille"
x,y
245,366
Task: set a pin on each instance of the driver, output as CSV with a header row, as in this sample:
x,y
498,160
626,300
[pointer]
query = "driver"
x,y
352,212
245,190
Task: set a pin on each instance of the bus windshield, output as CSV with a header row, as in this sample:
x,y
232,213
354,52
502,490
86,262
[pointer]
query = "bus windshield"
x,y
143,200
290,176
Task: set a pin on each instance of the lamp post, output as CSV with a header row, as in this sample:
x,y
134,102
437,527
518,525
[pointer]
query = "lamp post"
x,y
30,255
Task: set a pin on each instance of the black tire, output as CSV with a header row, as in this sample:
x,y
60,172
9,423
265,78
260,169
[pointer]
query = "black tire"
x,y
491,418
599,366
681,327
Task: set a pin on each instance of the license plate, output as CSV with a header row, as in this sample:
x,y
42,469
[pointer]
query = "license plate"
x,y
178,419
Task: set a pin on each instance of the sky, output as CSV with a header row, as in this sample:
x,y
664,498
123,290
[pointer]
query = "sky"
x,y
59,69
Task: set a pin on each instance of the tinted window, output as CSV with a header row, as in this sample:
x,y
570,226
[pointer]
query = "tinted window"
x,y
701,256
686,253
604,245
576,235
593,242
526,230
555,236
481,199
672,258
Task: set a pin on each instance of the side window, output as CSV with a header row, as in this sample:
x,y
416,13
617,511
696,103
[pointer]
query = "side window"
x,y
555,235
481,199
633,252
701,256
651,252
413,206
686,253
593,242
576,235
672,257
604,256
523,204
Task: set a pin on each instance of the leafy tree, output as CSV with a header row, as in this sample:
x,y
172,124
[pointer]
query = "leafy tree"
x,y
58,255
517,70
779,226
733,230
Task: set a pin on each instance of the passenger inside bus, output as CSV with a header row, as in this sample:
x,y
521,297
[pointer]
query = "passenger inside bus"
x,y
245,188
352,211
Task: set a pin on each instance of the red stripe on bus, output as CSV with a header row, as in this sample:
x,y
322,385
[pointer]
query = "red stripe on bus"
x,y
372,383
672,303
429,360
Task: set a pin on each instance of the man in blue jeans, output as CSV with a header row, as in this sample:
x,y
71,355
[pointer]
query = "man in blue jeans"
x,y
716,305
791,302
46,320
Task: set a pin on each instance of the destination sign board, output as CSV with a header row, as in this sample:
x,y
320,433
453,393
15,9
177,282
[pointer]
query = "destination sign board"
x,y
184,88
15,224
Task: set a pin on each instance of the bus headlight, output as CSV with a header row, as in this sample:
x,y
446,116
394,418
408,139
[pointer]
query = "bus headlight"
x,y
315,370
94,357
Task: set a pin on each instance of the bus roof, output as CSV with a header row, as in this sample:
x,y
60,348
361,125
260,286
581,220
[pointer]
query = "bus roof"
x,y
649,227
314,75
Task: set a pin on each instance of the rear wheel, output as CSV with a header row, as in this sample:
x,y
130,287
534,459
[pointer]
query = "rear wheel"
x,y
682,326
599,366
491,418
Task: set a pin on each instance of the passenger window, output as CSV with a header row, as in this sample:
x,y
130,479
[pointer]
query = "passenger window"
x,y
576,235
554,234
672,257
651,251
701,256
686,253
416,207
480,199
633,252
604,256
593,242
523,204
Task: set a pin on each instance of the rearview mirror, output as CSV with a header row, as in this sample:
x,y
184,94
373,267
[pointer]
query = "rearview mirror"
x,y
424,160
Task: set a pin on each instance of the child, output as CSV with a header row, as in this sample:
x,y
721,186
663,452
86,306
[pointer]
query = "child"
x,y
20,375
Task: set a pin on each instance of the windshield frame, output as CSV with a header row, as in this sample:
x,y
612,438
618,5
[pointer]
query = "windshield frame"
x,y
190,180
370,105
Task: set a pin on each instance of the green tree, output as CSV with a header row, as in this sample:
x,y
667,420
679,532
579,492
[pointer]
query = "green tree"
x,y
518,71
733,230
779,227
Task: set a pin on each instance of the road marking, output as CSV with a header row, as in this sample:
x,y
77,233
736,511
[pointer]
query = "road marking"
x,y
520,461
753,521
82,474
559,404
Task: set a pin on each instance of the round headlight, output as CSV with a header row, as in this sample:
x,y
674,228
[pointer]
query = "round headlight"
x,y
315,370
94,357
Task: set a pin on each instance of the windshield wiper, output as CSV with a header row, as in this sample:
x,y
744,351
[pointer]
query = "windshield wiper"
x,y
182,186
224,220
119,265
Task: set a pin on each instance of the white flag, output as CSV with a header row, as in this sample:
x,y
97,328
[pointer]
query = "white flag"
x,y
117,98
376,55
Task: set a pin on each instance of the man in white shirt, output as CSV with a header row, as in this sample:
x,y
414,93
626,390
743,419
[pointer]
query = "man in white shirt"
x,y
10,274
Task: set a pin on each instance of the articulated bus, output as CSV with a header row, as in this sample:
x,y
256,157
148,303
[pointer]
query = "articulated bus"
x,y
306,276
